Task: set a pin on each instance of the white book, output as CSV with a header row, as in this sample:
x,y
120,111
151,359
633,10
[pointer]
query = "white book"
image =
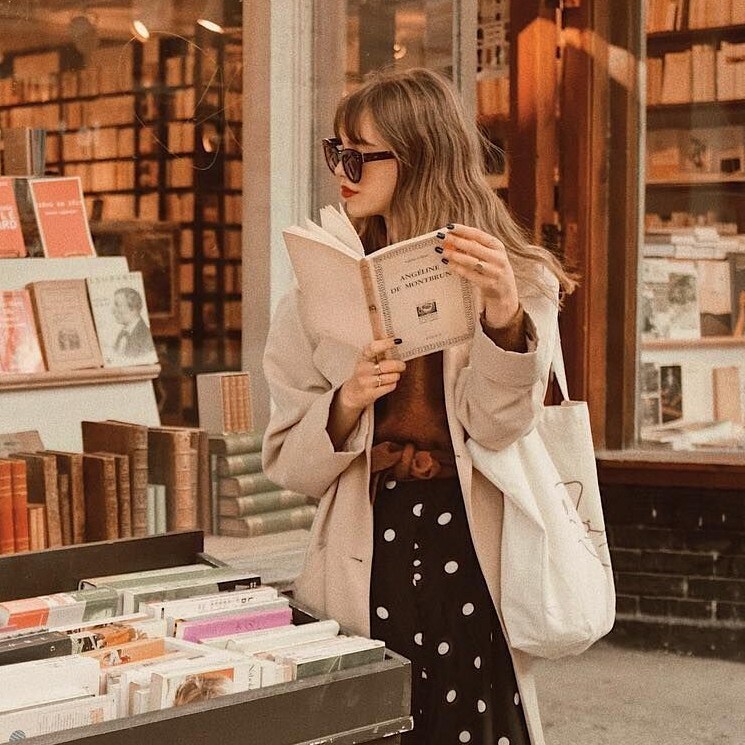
x,y
177,625
210,603
37,682
143,577
150,509
160,516
43,720
669,300
403,290
726,72
676,77
263,640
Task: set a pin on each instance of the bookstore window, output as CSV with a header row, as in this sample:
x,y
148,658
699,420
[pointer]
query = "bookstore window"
x,y
141,101
692,267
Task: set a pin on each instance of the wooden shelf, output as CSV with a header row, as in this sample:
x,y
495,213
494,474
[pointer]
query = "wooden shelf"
x,y
698,179
67,378
694,114
664,41
704,341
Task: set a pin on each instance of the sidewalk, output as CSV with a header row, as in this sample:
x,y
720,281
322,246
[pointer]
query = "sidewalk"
x,y
617,696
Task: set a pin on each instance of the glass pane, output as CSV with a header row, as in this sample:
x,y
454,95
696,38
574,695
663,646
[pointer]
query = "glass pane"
x,y
141,101
692,270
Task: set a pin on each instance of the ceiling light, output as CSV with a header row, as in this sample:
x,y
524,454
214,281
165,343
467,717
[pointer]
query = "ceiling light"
x,y
211,17
140,30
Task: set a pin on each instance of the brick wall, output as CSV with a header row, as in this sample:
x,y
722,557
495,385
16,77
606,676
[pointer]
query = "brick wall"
x,y
679,563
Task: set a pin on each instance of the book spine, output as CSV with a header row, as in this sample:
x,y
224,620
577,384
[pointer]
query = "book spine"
x,y
7,530
161,508
269,522
195,631
250,483
375,312
236,465
51,500
65,508
214,488
237,442
36,525
35,647
138,490
244,397
151,509
253,504
20,505
124,496
204,503
227,408
77,500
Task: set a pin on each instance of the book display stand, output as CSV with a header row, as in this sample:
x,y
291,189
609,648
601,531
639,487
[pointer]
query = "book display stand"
x,y
367,704
56,403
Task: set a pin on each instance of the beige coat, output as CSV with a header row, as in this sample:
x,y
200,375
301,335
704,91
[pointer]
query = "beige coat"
x,y
491,395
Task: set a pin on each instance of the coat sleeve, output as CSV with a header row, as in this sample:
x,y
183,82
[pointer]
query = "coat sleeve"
x,y
499,394
297,452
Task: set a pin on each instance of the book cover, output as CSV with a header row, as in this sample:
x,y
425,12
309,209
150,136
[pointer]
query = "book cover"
x,y
253,504
248,620
402,290
60,214
235,465
68,337
236,443
60,609
123,492
197,681
121,319
669,300
261,640
38,646
71,464
268,522
65,507
147,576
135,650
37,534
16,442
101,507
11,235
224,402
247,483
131,440
20,504
19,345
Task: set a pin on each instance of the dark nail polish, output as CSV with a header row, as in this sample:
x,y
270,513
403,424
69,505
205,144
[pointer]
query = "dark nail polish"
x,y
441,235
450,226
444,261
439,249
398,341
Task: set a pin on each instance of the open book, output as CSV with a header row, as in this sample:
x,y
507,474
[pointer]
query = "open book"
x,y
403,290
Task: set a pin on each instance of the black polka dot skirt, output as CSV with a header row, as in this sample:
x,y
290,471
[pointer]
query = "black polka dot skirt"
x,y
429,602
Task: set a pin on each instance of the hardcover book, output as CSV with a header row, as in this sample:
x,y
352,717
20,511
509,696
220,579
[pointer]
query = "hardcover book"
x,y
236,443
121,318
669,300
7,535
71,465
235,465
402,290
65,325
253,504
16,442
60,215
11,234
737,289
246,483
20,504
19,345
224,402
268,522
101,506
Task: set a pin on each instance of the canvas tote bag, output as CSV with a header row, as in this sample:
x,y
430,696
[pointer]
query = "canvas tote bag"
x,y
558,595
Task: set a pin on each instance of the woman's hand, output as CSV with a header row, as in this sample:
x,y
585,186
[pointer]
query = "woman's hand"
x,y
373,377
482,259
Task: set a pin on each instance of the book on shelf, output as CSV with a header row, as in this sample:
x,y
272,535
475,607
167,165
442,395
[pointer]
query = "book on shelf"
x,y
61,217
727,394
246,483
123,493
328,656
19,344
671,393
123,653
266,615
7,535
65,507
101,506
292,518
28,441
234,465
23,151
253,504
687,435
224,402
737,289
11,235
19,486
121,319
41,480
714,298
262,640
35,646
71,466
37,527
64,323
669,300
402,290
146,576
676,77
128,439
236,443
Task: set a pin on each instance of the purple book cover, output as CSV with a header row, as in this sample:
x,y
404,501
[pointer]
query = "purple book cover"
x,y
204,628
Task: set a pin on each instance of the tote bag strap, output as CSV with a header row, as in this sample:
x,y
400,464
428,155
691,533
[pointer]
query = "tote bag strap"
x,y
557,365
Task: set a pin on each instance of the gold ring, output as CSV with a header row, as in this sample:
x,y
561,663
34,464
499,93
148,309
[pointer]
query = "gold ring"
x,y
377,368
479,267
380,380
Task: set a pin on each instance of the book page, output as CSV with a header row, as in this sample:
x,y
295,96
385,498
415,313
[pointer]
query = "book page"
x,y
338,224
421,301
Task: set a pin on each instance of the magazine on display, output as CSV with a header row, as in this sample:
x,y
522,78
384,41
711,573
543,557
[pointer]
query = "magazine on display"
x,y
403,290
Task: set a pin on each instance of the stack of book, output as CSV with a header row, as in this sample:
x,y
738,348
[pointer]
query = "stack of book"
x,y
246,502
144,641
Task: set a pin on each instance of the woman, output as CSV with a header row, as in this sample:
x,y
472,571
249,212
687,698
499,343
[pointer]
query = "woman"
x,y
405,545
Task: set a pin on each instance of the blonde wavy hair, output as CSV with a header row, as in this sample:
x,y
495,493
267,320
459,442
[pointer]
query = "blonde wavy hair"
x,y
441,174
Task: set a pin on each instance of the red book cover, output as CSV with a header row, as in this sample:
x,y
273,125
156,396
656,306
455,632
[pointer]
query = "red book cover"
x,y
7,540
20,504
19,345
11,235
61,217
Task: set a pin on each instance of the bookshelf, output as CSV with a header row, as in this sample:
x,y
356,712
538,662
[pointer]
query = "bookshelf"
x,y
56,403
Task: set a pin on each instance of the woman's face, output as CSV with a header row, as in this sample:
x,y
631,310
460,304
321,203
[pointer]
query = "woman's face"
x,y
373,194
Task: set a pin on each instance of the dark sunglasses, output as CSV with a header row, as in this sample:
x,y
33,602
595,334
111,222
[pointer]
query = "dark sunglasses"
x,y
351,160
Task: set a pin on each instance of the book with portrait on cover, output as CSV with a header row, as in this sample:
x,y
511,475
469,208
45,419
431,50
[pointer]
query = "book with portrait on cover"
x,y
403,290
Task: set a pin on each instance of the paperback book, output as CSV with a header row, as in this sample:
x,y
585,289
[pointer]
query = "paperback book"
x,y
19,346
402,290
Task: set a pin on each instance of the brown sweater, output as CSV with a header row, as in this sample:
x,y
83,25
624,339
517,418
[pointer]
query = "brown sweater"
x,y
414,413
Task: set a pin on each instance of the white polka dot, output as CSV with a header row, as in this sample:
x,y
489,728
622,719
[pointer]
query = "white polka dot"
x,y
450,696
416,546
424,674
417,562
389,535
418,638
417,576
417,509
443,648
503,741
444,518
481,706
451,567
516,699
381,612
467,609
477,663
464,736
